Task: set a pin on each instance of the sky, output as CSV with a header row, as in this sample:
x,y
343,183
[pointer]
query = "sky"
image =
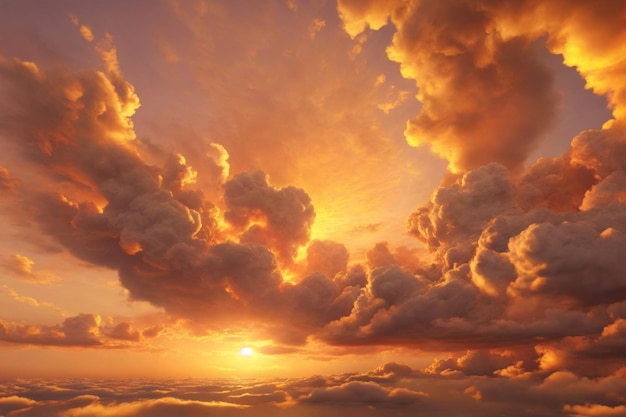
x,y
306,208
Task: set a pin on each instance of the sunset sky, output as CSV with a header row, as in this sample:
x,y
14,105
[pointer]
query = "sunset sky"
x,y
394,207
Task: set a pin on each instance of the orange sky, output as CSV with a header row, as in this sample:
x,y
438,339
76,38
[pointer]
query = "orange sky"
x,y
407,199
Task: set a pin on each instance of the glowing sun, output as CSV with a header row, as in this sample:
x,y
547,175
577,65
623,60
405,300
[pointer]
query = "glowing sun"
x,y
246,351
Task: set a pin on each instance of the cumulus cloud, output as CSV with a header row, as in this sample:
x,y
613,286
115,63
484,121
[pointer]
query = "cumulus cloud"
x,y
486,363
386,373
83,330
326,257
171,246
486,98
572,259
279,219
125,331
539,245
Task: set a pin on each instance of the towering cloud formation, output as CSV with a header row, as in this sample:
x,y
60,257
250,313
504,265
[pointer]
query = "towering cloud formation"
x,y
171,246
523,254
486,98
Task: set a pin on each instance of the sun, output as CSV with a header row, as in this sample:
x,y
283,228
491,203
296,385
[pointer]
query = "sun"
x,y
246,351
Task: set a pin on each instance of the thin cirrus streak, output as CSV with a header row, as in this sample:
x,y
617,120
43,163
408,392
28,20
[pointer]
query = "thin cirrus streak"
x,y
514,288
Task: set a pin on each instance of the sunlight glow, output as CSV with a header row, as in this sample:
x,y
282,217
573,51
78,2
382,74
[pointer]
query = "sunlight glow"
x,y
246,351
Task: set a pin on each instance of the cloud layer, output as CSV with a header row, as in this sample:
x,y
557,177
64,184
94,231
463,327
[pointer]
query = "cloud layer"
x,y
390,388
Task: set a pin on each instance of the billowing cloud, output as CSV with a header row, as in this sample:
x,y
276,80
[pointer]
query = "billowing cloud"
x,y
326,257
278,219
83,330
540,244
485,98
522,289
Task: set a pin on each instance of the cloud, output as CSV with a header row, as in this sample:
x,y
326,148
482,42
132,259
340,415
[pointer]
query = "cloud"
x,y
26,299
391,386
316,26
387,373
7,183
497,246
83,330
486,98
462,210
14,402
589,38
158,230
358,15
569,259
487,363
160,407
508,271
125,331
22,267
595,410
84,30
326,257
90,406
279,219
363,392
152,332
494,100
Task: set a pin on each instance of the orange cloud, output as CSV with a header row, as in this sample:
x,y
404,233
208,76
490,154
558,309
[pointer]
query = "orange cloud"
x,y
594,410
364,393
26,299
83,330
486,97
391,387
521,259
22,266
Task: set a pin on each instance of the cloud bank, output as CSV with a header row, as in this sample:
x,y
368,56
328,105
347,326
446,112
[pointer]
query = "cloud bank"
x,y
391,388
